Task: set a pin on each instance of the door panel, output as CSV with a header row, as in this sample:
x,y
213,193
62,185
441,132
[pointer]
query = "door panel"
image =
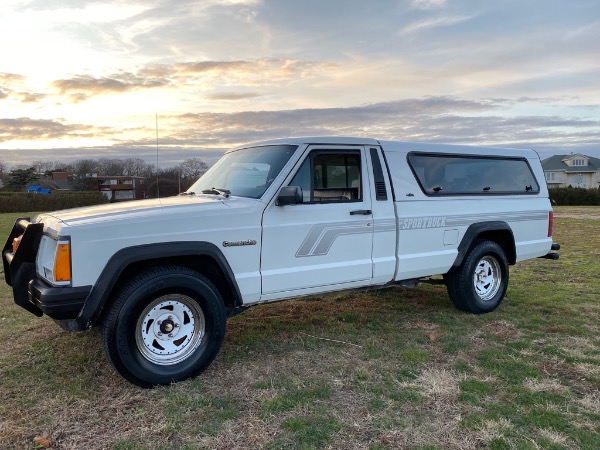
x,y
327,240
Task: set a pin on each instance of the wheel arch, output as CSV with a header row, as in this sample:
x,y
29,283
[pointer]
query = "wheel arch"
x,y
498,231
203,257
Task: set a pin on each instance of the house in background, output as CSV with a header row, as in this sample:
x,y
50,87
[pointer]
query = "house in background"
x,y
572,170
37,189
58,181
115,188
121,188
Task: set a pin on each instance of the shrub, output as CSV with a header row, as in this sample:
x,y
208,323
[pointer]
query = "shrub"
x,y
19,202
571,196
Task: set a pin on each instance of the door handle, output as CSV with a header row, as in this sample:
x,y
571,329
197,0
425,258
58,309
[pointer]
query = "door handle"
x,y
361,212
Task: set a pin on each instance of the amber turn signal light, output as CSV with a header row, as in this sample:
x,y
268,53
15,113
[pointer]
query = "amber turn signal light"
x,y
62,262
15,243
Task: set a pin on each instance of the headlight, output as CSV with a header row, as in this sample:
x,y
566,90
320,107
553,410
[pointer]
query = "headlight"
x,y
54,260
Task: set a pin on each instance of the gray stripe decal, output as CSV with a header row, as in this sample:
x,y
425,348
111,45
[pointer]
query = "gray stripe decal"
x,y
385,225
420,222
457,221
321,237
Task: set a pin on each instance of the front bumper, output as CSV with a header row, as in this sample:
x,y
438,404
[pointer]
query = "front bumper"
x,y
19,266
29,292
59,303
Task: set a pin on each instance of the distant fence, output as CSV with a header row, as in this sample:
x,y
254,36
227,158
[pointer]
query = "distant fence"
x,y
570,196
11,202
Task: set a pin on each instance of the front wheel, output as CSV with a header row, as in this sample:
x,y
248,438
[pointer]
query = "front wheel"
x,y
479,284
164,326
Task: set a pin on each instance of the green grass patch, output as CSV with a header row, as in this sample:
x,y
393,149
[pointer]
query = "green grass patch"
x,y
290,398
311,432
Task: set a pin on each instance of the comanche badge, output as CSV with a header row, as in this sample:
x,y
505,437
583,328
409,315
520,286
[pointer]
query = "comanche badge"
x,y
239,243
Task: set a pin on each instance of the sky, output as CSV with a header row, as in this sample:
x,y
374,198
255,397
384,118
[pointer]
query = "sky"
x,y
92,79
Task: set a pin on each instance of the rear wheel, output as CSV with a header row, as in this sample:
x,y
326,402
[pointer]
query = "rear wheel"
x,y
479,284
166,325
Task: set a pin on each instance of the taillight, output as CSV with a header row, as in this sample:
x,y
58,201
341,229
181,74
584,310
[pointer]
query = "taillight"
x,y
62,262
550,223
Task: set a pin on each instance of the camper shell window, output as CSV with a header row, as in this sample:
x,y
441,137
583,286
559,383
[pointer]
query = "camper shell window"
x,y
444,174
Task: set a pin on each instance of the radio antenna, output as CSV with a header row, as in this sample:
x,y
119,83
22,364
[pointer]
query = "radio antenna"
x,y
157,188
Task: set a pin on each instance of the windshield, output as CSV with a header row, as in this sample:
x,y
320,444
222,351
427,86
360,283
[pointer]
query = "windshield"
x,y
245,173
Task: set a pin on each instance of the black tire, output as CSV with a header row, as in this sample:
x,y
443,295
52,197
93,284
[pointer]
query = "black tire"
x,y
166,325
479,284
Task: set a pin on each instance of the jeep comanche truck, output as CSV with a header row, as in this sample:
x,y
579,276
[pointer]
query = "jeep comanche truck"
x,y
276,220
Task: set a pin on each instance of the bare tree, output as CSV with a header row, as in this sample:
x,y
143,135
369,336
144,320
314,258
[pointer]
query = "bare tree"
x,y
137,167
58,166
83,171
42,167
193,168
110,167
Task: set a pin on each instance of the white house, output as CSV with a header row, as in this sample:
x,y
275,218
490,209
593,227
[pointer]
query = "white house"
x,y
574,170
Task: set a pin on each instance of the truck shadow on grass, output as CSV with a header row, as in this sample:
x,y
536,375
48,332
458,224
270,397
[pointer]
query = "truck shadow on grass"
x,y
355,319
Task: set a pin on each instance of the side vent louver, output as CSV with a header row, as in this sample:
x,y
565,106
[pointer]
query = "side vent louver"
x,y
380,190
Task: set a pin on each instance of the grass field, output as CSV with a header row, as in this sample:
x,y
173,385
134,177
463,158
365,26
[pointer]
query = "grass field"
x,y
391,369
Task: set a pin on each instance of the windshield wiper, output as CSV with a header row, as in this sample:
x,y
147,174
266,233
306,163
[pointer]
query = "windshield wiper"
x,y
224,192
187,193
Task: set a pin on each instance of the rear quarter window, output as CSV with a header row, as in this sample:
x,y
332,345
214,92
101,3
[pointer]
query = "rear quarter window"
x,y
442,174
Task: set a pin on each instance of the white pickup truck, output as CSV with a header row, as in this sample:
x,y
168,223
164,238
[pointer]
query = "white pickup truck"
x,y
276,220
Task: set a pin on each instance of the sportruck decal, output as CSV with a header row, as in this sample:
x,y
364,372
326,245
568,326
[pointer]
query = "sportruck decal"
x,y
418,223
422,222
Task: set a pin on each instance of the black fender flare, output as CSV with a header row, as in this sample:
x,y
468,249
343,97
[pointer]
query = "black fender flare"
x,y
487,229
118,263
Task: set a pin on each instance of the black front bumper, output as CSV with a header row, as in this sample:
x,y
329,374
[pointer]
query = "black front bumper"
x,y
19,266
29,292
60,303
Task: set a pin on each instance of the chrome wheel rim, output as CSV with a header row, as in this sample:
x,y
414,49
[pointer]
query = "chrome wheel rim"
x,y
487,278
170,329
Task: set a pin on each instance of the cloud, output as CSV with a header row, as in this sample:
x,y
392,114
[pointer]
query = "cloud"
x,y
258,71
438,119
31,97
428,4
268,71
433,119
11,78
11,85
25,128
82,87
435,22
232,96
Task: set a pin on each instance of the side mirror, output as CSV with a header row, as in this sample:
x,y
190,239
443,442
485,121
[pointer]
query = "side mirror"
x,y
289,195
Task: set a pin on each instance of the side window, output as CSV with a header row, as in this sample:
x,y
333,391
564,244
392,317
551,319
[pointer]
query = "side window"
x,y
330,177
440,174
302,179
